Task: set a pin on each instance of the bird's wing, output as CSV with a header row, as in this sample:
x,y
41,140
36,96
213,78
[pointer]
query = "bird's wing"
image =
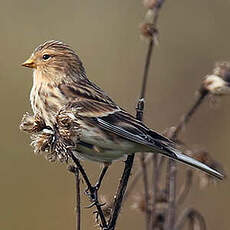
x,y
98,109
112,119
103,113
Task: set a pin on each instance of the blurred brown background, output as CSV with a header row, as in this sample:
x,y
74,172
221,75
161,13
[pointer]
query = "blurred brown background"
x,y
193,35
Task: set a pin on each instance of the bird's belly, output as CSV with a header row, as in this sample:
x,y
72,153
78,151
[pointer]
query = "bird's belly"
x,y
105,156
102,146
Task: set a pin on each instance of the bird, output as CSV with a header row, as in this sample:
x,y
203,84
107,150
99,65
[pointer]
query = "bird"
x,y
107,132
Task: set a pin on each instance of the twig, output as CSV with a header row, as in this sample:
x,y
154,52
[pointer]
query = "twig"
x,y
125,176
91,190
142,95
121,191
78,200
138,174
171,191
155,186
150,46
185,119
133,183
190,214
172,169
139,116
146,190
75,171
185,189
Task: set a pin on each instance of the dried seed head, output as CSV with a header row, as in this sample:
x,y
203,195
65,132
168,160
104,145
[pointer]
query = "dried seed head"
x,y
68,126
31,124
218,83
205,157
222,69
147,30
41,142
150,4
56,143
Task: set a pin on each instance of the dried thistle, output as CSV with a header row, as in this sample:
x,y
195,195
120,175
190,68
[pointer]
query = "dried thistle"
x,y
205,157
147,30
150,4
55,142
32,124
218,83
68,127
41,142
222,69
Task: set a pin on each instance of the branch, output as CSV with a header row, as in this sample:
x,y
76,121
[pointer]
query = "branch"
x,y
146,190
171,191
190,214
186,118
90,189
186,187
155,186
120,192
75,170
152,32
125,176
138,173
172,169
139,116
78,200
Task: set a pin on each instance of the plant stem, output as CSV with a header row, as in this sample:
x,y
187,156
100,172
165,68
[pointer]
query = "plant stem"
x,y
186,118
142,95
186,187
190,214
78,201
172,168
90,188
121,191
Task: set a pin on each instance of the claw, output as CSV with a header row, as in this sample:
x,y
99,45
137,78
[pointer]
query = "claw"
x,y
91,205
102,204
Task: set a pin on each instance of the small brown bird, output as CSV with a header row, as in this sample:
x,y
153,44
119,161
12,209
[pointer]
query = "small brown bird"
x,y
107,131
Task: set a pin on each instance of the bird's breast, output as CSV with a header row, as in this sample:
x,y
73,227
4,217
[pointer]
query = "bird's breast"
x,y
46,99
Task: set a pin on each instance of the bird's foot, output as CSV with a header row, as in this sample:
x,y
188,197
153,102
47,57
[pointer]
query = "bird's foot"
x,y
92,193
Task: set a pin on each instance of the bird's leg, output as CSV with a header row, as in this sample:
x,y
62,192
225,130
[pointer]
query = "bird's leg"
x,y
101,176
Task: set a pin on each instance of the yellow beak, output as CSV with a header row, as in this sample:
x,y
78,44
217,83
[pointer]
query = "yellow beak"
x,y
29,63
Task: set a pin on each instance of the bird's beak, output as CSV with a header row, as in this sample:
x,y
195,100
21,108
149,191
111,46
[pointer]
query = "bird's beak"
x,y
29,63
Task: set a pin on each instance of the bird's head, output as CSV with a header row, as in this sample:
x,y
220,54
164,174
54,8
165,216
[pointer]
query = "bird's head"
x,y
54,58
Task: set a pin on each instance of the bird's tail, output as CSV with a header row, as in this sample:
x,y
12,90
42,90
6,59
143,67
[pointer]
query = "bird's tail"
x,y
178,156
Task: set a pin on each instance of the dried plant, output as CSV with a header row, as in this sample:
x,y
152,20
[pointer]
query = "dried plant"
x,y
158,201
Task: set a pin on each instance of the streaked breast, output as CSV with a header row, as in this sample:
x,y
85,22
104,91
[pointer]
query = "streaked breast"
x,y
46,99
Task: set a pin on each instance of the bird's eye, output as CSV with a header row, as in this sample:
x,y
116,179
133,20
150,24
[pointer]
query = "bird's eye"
x,y
46,56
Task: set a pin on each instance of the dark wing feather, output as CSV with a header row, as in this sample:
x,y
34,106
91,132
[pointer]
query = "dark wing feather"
x,y
115,120
95,107
125,125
